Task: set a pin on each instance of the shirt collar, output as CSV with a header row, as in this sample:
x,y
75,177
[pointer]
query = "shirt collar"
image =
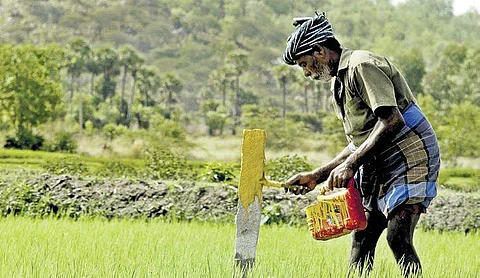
x,y
344,59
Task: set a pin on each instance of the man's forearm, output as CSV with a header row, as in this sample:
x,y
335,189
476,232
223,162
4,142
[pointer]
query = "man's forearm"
x,y
384,131
321,173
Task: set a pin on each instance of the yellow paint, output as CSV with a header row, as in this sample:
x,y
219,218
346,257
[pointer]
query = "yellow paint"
x,y
266,182
252,175
332,207
252,166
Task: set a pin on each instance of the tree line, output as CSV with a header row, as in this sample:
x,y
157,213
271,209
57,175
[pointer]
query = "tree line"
x,y
143,63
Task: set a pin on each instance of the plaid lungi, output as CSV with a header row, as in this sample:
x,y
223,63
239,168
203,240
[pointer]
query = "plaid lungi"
x,y
406,171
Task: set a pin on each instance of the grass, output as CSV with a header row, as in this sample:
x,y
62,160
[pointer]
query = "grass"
x,y
460,179
95,248
35,159
228,148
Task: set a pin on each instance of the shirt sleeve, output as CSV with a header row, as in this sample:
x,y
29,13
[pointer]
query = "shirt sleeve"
x,y
374,86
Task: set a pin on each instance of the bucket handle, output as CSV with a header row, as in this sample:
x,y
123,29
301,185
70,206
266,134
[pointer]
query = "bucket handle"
x,y
324,190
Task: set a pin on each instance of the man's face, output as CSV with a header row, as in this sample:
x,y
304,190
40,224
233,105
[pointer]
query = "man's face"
x,y
315,67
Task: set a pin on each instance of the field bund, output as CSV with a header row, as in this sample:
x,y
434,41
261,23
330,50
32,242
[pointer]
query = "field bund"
x,y
71,197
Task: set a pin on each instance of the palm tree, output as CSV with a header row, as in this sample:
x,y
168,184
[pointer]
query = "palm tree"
x,y
108,62
284,75
239,62
306,84
221,78
78,56
130,61
78,53
93,67
171,87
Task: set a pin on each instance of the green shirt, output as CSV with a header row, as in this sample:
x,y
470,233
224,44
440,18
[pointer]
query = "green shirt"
x,y
364,82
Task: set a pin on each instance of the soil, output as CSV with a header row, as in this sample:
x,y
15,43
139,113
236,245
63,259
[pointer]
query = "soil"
x,y
75,197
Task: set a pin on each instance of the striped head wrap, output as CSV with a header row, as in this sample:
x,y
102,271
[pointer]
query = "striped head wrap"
x,y
312,30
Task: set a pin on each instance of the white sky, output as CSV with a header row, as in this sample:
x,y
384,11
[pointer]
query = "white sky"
x,y
459,6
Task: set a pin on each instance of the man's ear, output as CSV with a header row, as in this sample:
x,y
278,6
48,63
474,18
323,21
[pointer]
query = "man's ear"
x,y
321,51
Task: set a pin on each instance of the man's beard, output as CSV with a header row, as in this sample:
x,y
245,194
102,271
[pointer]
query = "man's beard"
x,y
322,72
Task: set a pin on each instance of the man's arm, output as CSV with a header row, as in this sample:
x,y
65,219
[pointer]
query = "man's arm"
x,y
306,181
390,122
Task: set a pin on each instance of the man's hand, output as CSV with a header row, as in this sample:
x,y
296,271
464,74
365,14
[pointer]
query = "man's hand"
x,y
340,176
301,183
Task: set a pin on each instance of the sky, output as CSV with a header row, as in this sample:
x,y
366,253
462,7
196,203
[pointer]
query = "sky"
x,y
459,6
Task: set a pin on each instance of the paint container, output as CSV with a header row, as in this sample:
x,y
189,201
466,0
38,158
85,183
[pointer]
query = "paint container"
x,y
337,213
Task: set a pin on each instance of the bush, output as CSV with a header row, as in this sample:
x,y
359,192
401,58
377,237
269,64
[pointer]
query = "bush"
x,y
117,169
283,133
172,129
333,134
65,166
17,199
112,131
313,121
458,135
64,142
165,164
218,172
284,167
24,140
216,122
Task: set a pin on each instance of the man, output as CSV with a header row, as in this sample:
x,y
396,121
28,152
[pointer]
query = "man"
x,y
392,152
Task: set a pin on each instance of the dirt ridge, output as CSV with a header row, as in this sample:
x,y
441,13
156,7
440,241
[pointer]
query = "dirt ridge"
x,y
75,197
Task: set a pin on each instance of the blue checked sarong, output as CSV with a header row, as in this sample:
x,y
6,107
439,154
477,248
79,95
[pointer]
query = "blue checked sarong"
x,y
406,171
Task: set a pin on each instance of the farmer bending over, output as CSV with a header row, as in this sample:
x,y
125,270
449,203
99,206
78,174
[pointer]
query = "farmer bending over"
x,y
392,151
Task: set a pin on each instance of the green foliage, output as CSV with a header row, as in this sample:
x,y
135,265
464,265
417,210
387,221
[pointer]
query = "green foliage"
x,y
171,86
313,121
104,114
472,220
444,83
95,247
215,122
111,131
30,86
213,46
460,132
163,163
272,214
24,140
282,168
66,166
412,66
109,64
117,169
459,179
334,134
283,133
218,172
63,142
171,129
18,199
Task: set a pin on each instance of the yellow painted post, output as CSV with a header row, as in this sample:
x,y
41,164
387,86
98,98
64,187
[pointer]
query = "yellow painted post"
x,y
252,166
252,179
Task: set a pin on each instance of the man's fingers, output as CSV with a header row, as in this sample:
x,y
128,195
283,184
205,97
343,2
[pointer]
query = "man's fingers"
x,y
335,181
294,190
339,181
292,181
330,181
344,182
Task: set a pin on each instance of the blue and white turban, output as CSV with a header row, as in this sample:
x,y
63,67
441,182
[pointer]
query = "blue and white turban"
x,y
312,31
